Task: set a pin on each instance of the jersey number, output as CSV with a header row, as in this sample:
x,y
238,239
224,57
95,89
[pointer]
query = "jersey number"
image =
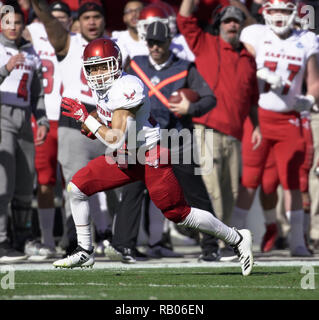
x,y
293,68
48,71
22,89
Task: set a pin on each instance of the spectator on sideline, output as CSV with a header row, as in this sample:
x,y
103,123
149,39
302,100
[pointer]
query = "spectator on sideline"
x,y
237,97
164,66
21,92
69,48
46,155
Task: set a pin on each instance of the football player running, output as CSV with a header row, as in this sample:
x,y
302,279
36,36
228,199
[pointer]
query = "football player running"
x,y
285,58
123,104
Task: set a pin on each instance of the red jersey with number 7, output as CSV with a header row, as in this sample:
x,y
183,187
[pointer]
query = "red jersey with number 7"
x,y
287,58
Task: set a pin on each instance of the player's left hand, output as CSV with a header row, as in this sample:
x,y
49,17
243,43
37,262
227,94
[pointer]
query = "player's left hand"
x,y
256,138
304,103
42,132
76,109
182,107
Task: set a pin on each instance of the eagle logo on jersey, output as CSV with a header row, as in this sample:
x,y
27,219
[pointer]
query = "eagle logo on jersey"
x,y
131,96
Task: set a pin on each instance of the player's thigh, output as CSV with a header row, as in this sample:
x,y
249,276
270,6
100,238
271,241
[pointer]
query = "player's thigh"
x,y
166,192
290,155
7,165
25,169
102,174
254,162
270,177
46,157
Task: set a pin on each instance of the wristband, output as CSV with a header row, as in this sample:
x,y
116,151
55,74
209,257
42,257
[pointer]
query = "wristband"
x,y
92,124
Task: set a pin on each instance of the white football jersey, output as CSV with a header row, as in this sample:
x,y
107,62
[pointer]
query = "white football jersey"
x,y
51,75
132,48
73,78
287,58
16,88
128,92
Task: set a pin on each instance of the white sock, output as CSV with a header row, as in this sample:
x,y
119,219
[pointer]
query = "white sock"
x,y
81,215
295,219
270,216
239,217
204,221
46,223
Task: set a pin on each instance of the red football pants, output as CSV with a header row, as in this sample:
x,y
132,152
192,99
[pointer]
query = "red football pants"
x,y
280,155
46,155
164,190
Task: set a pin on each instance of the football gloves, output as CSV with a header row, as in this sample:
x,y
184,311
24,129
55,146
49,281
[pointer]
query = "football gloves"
x,y
270,77
304,103
76,109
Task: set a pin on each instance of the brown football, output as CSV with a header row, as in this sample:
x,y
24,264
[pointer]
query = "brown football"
x,y
190,94
94,115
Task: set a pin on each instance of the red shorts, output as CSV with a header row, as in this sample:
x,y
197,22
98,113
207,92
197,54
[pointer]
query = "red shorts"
x,y
280,155
101,174
46,155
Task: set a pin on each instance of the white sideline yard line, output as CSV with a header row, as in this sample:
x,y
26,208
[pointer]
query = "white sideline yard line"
x,y
121,266
151,285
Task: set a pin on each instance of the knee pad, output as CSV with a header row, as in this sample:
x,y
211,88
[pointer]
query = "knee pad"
x,y
75,192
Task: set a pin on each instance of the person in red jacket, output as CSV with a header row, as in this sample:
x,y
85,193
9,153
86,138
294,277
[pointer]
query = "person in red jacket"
x,y
230,71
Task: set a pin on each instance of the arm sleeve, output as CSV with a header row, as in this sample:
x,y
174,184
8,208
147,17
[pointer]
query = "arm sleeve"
x,y
194,35
207,99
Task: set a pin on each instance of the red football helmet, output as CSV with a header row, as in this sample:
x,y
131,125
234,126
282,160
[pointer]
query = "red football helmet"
x,y
171,16
149,14
280,23
102,51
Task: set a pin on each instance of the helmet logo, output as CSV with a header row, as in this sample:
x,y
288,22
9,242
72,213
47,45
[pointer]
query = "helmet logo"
x,y
93,58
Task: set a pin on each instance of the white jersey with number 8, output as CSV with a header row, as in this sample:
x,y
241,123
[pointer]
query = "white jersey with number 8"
x,y
50,70
287,58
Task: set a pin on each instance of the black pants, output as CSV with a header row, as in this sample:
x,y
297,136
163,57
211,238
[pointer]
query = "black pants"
x,y
127,220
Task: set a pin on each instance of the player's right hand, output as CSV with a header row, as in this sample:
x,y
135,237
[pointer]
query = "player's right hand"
x,y
76,109
14,60
270,77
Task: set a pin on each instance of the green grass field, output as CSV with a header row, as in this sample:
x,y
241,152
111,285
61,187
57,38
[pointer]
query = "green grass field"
x,y
274,283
